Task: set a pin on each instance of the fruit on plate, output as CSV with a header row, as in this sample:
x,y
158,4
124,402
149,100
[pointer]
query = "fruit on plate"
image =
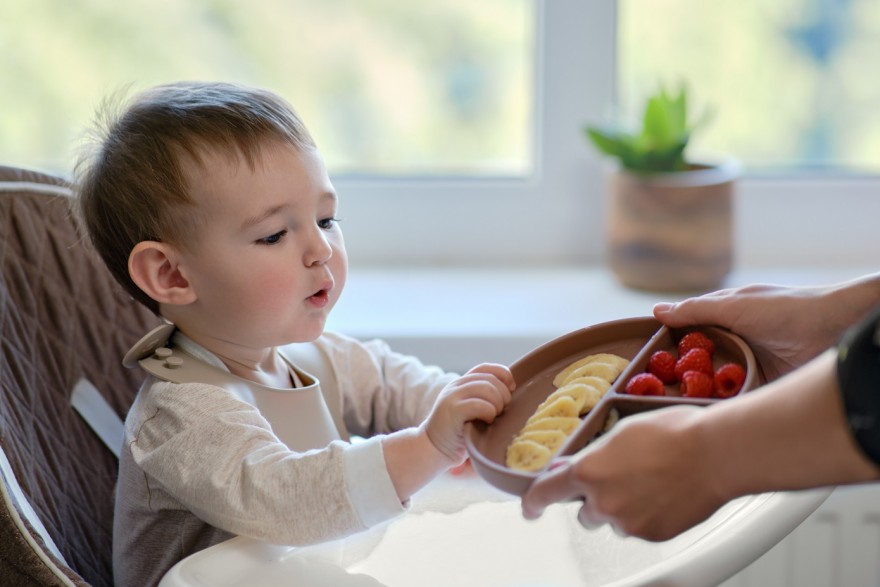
x,y
696,384
694,371
729,380
580,386
695,340
662,365
697,359
645,384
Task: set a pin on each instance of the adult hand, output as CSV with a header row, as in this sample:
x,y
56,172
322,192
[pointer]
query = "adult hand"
x,y
648,477
785,326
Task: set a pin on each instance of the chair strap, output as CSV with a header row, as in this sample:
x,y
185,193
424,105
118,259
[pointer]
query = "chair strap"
x,y
94,409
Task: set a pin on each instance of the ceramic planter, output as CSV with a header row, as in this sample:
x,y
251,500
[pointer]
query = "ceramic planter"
x,y
672,231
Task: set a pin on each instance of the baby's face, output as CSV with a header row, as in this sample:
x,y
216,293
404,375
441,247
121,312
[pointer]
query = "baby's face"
x,y
268,264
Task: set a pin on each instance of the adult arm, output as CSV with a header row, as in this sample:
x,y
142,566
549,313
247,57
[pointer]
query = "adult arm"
x,y
785,326
658,474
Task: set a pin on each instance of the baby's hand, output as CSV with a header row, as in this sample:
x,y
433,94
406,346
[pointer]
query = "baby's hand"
x,y
480,394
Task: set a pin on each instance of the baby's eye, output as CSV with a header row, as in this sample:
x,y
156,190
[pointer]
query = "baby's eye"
x,y
327,223
272,239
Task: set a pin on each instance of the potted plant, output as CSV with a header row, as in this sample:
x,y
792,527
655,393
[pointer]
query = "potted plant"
x,y
670,219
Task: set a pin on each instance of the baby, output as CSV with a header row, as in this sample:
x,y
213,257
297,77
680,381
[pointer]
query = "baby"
x,y
211,205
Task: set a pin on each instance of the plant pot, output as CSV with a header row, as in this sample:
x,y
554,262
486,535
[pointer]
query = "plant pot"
x,y
672,231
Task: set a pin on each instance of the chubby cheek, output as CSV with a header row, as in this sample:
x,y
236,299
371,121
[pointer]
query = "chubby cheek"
x,y
241,286
273,291
339,268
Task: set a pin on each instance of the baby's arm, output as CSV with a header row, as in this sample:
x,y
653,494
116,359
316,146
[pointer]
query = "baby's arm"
x,y
416,455
196,447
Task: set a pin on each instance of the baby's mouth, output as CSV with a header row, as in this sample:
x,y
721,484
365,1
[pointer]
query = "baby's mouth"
x,y
320,295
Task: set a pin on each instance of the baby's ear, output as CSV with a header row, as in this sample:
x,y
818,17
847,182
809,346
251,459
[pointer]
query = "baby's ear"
x,y
153,267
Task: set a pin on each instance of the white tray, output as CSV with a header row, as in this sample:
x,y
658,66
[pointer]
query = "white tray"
x,y
462,532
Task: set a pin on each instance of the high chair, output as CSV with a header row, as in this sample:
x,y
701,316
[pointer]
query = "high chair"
x,y
64,324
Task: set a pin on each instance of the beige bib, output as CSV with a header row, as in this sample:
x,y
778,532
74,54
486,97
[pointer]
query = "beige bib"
x,y
299,416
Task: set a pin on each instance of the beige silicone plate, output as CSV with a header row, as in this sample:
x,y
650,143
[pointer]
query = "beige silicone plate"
x,y
635,339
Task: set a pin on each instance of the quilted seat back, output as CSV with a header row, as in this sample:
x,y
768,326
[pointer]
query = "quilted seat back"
x,y
62,319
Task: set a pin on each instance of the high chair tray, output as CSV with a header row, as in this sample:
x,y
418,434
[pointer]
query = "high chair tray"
x,y
461,531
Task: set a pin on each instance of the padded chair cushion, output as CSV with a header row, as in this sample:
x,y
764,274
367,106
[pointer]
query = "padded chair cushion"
x,y
62,318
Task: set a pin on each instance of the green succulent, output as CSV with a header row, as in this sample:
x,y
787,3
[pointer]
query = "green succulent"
x,y
661,144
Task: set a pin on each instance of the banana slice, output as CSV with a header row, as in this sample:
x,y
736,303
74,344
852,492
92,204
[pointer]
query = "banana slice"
x,y
566,425
580,393
616,362
611,419
552,439
527,455
586,396
591,400
591,380
563,406
580,387
606,371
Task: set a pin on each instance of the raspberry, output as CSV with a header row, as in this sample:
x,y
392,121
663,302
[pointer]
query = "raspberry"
x,y
695,340
645,384
662,364
694,360
696,384
729,380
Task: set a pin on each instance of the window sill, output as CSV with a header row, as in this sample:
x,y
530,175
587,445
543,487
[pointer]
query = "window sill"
x,y
457,317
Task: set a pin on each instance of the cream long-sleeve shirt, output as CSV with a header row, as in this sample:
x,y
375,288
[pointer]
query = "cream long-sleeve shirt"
x,y
200,464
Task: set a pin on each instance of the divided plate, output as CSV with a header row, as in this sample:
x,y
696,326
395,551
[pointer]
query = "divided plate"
x,y
634,339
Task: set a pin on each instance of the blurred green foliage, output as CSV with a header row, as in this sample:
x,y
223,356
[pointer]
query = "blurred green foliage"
x,y
385,86
661,143
791,82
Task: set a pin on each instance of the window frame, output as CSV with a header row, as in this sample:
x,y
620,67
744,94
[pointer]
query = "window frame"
x,y
555,216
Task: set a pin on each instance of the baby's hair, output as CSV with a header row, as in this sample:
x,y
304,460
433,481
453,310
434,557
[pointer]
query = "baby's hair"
x,y
131,186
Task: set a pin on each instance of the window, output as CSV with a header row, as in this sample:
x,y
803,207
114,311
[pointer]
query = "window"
x,y
386,86
532,199
790,84
507,178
